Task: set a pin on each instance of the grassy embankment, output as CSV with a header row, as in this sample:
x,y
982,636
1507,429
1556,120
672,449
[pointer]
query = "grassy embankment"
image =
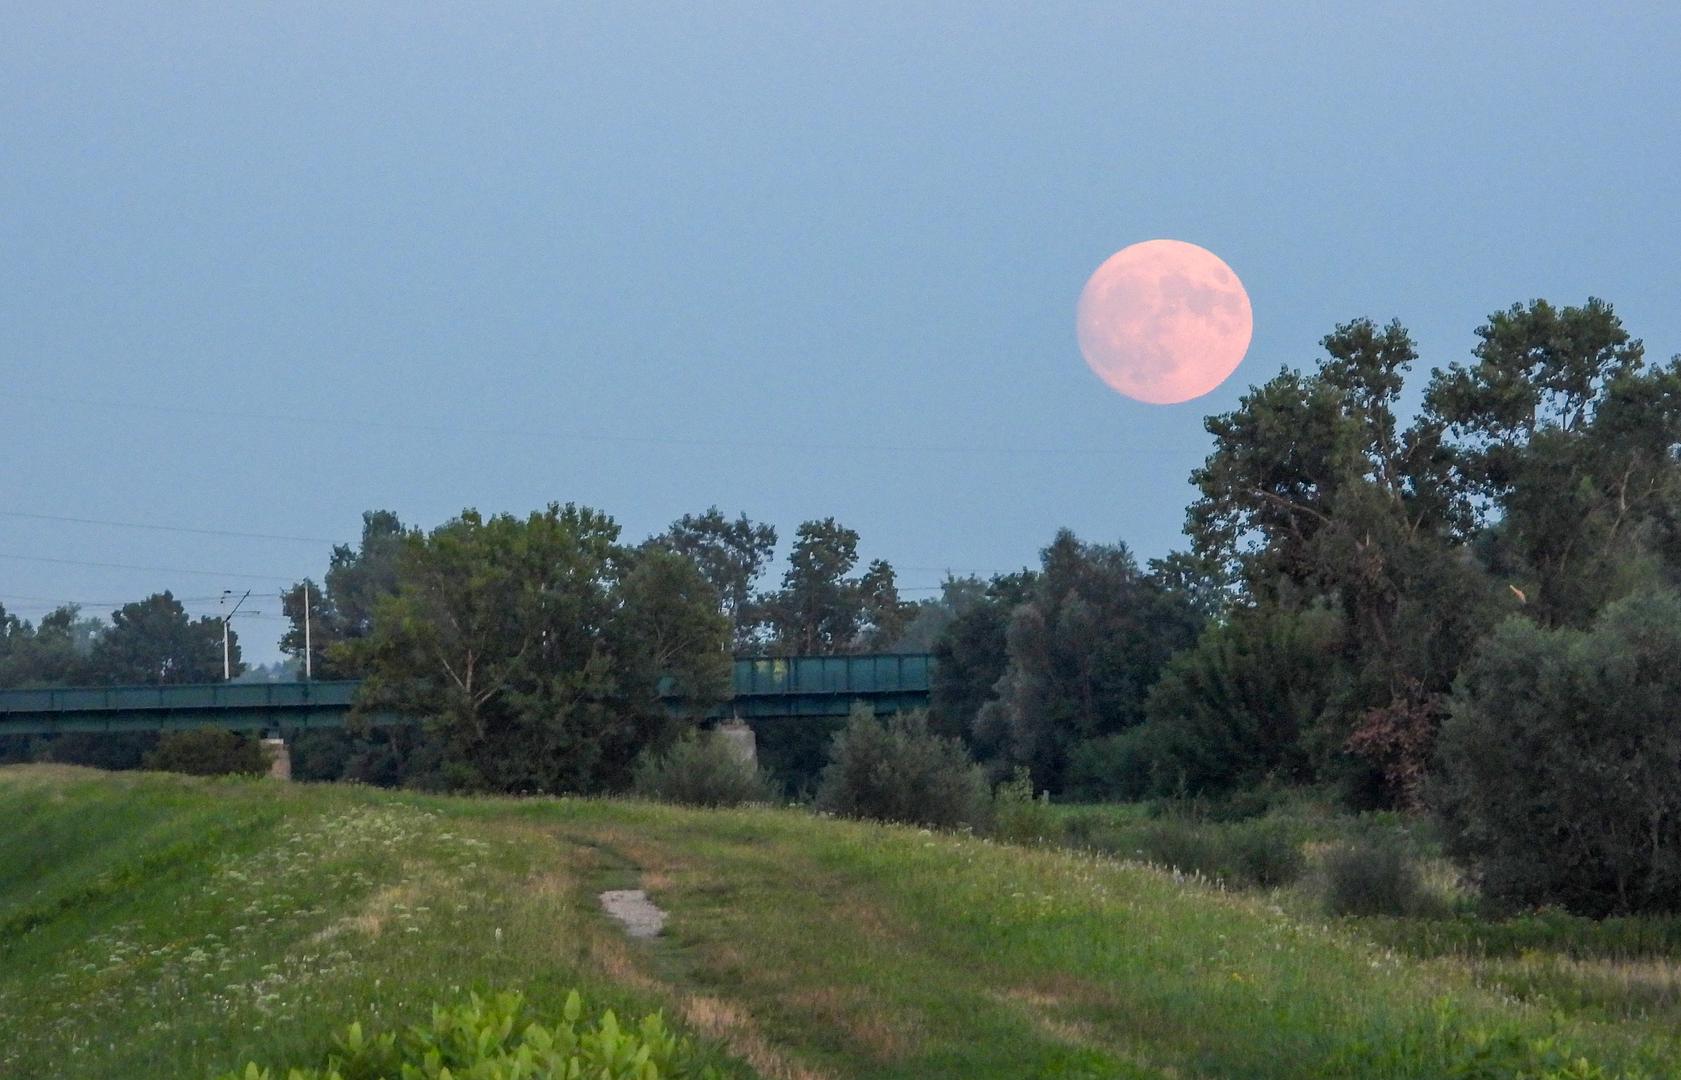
x,y
154,926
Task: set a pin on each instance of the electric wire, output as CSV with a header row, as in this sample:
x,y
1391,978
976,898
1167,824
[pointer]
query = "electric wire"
x,y
563,435
168,528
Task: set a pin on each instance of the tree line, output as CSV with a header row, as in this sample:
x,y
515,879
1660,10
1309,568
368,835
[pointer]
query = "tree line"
x,y
1469,606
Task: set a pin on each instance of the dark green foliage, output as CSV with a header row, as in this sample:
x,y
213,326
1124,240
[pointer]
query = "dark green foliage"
x,y
1561,762
114,750
1568,441
1083,652
822,607
700,769
153,641
537,647
384,756
343,609
497,1039
52,653
731,555
208,752
793,750
898,771
1316,494
1019,816
1258,700
1116,768
1373,877
1549,931
931,618
1258,853
970,657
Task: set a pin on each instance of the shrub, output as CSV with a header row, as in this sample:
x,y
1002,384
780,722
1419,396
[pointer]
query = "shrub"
x,y
208,752
1262,855
1249,854
898,771
496,1040
1561,762
1256,699
700,769
1371,878
1020,818
1116,768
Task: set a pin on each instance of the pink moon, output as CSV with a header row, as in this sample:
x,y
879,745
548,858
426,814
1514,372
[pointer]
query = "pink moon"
x,y
1164,321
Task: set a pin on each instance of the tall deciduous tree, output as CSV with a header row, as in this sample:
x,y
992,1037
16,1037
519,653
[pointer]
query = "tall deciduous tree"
x,y
1315,493
536,647
970,656
1083,652
342,608
154,641
818,608
1567,441
731,556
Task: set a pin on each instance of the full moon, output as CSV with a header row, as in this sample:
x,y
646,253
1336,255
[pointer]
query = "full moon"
x,y
1164,321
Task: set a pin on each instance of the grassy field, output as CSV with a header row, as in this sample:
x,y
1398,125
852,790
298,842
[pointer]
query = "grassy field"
x,y
156,926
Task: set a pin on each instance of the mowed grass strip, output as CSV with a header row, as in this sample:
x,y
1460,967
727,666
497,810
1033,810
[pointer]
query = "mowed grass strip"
x,y
806,948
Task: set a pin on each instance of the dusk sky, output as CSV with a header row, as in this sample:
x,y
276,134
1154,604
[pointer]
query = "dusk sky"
x,y
264,267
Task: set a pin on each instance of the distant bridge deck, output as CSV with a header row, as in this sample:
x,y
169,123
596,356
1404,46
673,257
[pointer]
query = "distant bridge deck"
x,y
762,687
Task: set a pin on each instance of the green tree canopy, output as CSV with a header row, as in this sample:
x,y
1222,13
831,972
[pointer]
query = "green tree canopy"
x,y
1082,652
154,641
536,646
1560,763
731,556
343,608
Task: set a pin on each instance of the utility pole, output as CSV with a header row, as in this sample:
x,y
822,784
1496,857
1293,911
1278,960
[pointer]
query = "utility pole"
x,y
308,668
227,667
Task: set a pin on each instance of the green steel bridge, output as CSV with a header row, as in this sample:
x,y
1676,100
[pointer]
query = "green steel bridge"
x,y
773,687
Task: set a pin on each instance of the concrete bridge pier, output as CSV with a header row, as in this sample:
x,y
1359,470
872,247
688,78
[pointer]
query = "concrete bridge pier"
x,y
740,739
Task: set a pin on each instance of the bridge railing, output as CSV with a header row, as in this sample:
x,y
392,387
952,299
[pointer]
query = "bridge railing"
x,y
211,696
768,686
882,673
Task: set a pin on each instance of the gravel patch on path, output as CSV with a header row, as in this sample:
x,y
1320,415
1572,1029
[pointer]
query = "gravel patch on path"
x,y
632,907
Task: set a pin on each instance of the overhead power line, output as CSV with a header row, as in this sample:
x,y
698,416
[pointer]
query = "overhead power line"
x,y
168,528
148,569
559,434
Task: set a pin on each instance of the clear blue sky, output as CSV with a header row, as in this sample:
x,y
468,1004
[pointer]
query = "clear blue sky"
x,y
263,267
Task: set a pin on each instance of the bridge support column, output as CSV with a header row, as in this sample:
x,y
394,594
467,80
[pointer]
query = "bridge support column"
x,y
739,738
280,759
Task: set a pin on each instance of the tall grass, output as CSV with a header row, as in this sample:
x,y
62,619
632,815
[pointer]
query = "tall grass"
x,y
795,946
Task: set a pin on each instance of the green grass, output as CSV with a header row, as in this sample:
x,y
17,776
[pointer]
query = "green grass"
x,y
156,926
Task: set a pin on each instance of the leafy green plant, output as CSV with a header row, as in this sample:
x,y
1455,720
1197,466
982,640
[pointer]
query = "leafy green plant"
x,y
899,771
700,769
1018,817
208,752
1261,855
1252,853
1561,759
493,1039
1371,878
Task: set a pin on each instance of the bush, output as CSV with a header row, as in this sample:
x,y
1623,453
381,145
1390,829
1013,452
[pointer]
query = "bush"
x,y
1255,700
1372,878
898,771
1263,855
1020,818
496,1040
1560,764
1115,768
700,769
208,752
1254,853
